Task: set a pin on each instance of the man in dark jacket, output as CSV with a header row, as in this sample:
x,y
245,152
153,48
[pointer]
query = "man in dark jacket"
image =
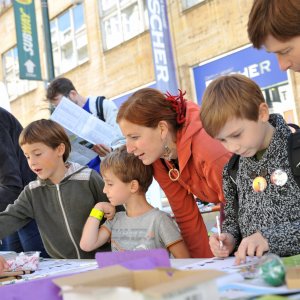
x,y
15,174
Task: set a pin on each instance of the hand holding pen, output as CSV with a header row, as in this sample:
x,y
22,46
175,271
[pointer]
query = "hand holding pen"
x,y
219,231
221,244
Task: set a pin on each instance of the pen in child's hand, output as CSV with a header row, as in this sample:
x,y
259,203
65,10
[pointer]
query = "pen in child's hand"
x,y
219,230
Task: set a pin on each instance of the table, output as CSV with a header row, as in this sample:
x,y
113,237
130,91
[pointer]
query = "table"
x,y
39,285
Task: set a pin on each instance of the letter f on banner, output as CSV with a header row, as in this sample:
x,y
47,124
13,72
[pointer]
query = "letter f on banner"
x,y
161,46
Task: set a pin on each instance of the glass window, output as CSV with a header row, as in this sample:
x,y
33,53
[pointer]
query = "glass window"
x,y
107,5
78,16
121,20
189,3
69,39
14,85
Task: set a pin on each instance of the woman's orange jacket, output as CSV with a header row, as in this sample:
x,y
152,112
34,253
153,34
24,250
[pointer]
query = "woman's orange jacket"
x,y
201,160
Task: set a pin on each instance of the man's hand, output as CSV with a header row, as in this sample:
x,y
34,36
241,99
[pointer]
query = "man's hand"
x,y
253,245
101,149
228,242
108,209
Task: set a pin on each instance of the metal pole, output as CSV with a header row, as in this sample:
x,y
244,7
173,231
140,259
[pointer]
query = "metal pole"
x,y
47,40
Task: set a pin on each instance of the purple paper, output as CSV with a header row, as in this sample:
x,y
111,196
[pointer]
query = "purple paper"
x,y
34,290
135,260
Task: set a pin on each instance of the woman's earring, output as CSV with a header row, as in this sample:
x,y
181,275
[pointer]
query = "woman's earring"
x,y
167,154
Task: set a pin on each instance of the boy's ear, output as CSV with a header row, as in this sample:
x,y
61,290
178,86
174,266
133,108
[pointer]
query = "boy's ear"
x,y
61,148
263,112
134,186
163,127
72,94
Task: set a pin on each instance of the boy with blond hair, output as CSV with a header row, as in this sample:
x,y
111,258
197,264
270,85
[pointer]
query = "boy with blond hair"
x,y
262,210
141,226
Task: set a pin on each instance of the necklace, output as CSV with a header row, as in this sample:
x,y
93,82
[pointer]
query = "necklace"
x,y
174,173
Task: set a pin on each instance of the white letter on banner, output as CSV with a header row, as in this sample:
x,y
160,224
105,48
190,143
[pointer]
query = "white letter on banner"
x,y
163,73
27,43
265,66
158,39
155,8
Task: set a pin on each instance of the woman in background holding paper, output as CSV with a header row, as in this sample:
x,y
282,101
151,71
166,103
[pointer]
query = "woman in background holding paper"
x,y
166,131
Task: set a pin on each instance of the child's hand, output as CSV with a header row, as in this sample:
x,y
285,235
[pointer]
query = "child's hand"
x,y
228,244
253,245
3,264
108,209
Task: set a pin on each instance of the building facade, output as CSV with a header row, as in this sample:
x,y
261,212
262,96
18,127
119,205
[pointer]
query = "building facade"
x,y
104,47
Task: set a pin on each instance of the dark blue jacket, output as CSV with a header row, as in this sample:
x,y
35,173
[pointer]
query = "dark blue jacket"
x,y
15,173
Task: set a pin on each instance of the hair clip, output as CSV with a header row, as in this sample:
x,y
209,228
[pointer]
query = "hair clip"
x,y
179,105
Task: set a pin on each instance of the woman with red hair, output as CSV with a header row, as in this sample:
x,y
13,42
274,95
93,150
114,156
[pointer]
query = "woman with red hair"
x,y
166,131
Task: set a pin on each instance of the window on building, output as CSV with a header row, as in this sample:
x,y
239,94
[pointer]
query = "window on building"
x,y
69,39
4,4
189,3
121,20
15,86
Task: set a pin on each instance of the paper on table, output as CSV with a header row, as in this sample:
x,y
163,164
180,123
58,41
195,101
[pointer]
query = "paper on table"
x,y
83,124
245,289
51,267
135,260
221,264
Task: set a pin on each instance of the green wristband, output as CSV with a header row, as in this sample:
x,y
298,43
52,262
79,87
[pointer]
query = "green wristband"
x,y
97,214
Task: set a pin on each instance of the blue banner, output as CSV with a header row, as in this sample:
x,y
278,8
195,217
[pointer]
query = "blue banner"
x,y
161,46
259,65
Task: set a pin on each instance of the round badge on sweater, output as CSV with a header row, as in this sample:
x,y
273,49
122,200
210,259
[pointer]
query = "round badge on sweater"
x,y
259,184
279,177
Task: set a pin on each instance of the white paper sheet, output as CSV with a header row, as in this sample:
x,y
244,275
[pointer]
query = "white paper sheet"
x,y
83,124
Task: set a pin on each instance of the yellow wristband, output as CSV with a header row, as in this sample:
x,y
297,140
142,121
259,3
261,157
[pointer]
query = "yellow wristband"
x,y
96,213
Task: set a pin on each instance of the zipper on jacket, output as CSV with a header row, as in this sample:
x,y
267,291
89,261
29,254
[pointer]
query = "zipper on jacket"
x,y
67,224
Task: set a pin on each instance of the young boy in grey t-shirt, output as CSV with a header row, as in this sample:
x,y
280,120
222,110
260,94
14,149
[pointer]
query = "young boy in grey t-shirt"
x,y
142,226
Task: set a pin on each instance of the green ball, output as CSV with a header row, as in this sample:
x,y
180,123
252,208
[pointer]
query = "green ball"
x,y
272,270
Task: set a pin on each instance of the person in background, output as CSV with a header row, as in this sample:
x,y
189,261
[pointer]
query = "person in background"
x,y
165,131
61,198
141,226
14,176
261,210
275,25
105,110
